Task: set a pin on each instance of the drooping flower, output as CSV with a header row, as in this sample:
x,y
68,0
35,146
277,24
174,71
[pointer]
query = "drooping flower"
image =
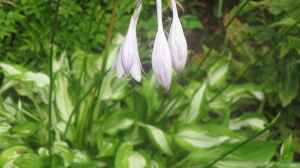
x,y
161,56
128,60
177,41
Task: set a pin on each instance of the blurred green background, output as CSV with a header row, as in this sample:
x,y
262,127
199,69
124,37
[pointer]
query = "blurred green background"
x,y
236,105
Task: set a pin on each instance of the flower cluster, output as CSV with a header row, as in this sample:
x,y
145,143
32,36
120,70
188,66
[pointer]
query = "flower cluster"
x,y
167,54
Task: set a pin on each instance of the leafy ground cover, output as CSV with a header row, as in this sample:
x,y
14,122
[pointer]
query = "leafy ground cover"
x,y
236,105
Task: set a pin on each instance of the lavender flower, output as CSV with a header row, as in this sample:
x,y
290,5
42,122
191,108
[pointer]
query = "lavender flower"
x,y
161,57
177,41
128,61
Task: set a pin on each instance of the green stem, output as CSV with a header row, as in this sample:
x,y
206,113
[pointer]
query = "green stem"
x,y
220,8
52,41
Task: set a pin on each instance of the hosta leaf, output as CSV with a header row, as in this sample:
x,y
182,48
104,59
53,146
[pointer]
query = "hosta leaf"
x,y
287,150
10,154
10,70
253,122
117,121
155,164
194,138
287,21
284,165
159,138
41,80
218,73
63,150
29,161
197,105
123,154
260,152
63,100
236,92
158,162
253,164
107,146
112,88
81,158
9,141
239,164
25,82
25,129
122,124
4,127
289,84
256,151
136,160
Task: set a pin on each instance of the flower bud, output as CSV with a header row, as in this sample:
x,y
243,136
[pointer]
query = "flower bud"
x,y
177,42
161,57
128,61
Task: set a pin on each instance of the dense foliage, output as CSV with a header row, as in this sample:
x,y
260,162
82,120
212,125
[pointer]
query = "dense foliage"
x,y
236,105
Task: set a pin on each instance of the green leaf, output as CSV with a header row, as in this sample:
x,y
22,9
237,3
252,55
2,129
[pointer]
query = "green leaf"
x,y
247,121
113,88
26,83
289,84
107,146
157,164
25,129
198,104
4,127
10,70
159,138
287,150
81,158
136,160
234,93
123,154
62,99
10,154
29,161
9,141
287,21
41,80
120,125
193,138
218,74
116,122
257,152
191,22
63,150
253,164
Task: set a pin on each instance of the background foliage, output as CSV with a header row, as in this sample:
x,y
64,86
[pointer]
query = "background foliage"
x,y
236,105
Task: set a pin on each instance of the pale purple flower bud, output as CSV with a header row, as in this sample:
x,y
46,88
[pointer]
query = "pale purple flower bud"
x,y
161,57
128,61
177,42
